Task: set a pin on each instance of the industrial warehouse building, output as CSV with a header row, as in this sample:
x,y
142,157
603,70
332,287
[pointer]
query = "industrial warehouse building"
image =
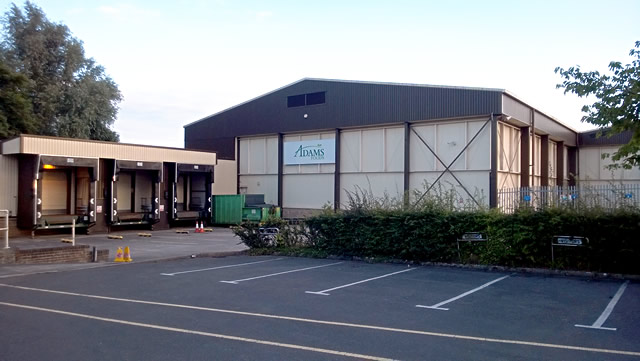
x,y
49,182
311,143
308,145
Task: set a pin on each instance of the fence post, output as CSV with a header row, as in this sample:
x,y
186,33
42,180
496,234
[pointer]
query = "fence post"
x,y
5,228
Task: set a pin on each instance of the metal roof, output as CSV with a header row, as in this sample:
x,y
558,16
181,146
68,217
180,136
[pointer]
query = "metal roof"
x,y
348,104
603,137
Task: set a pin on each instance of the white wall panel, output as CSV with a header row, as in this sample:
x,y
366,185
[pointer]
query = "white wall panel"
x,y
372,150
450,141
244,156
9,184
394,149
257,156
272,155
508,180
350,151
421,158
261,184
376,183
476,182
307,190
479,151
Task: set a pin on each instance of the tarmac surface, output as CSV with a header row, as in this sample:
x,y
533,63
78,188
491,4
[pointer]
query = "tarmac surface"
x,y
288,308
162,245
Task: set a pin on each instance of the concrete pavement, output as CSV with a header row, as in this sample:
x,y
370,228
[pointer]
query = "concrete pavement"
x,y
162,245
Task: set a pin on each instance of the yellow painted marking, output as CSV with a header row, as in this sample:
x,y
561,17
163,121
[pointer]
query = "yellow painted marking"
x,y
66,240
343,324
114,237
201,333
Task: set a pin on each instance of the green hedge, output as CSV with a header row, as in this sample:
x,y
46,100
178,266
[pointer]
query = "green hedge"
x,y
521,239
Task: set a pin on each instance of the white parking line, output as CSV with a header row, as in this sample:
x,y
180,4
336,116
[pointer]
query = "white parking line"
x,y
201,333
174,243
607,311
219,267
437,305
235,282
324,292
337,323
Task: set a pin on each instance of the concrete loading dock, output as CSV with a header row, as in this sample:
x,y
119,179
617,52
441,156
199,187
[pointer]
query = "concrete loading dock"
x,y
49,182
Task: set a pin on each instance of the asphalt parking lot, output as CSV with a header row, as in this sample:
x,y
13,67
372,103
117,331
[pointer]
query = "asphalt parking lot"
x,y
274,308
162,245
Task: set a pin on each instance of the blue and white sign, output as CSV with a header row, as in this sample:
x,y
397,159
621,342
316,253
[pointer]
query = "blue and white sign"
x,y
321,151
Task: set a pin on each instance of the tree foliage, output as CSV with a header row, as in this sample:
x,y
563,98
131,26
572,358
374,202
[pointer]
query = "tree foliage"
x,y
16,114
70,95
618,104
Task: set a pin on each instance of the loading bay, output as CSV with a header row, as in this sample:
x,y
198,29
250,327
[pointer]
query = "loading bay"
x,y
283,308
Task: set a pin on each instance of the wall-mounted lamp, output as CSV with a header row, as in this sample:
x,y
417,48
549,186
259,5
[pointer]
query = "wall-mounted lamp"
x,y
49,166
306,116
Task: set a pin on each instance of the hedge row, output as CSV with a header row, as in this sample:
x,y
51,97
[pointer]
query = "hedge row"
x,y
521,239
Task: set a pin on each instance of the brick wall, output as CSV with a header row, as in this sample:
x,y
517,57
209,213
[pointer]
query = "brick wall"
x,y
7,256
65,254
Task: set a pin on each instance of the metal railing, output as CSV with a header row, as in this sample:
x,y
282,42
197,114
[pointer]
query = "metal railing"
x,y
5,213
607,196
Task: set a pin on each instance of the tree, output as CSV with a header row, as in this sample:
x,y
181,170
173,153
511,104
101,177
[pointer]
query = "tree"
x,y
618,104
70,95
16,114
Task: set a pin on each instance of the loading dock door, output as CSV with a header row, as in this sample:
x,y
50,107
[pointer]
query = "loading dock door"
x,y
65,187
135,190
191,198
55,197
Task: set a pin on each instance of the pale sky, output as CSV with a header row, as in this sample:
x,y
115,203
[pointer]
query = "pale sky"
x,y
176,62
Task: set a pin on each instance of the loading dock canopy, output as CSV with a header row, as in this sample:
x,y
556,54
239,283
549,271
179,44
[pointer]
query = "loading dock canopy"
x,y
57,161
194,168
132,164
139,165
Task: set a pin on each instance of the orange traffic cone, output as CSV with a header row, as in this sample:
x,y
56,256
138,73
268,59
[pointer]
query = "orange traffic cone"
x,y
127,255
201,227
119,255
197,228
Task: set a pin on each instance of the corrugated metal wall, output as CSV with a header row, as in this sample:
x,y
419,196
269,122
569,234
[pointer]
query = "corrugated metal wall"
x,y
593,169
9,183
94,149
348,104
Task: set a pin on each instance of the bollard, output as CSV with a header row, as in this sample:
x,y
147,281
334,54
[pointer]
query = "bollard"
x,y
94,255
73,232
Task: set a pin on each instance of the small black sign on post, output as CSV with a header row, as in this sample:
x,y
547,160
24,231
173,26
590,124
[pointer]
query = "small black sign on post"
x,y
470,237
567,241
268,234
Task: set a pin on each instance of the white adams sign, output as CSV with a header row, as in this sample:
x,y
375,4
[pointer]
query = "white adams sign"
x,y
319,151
